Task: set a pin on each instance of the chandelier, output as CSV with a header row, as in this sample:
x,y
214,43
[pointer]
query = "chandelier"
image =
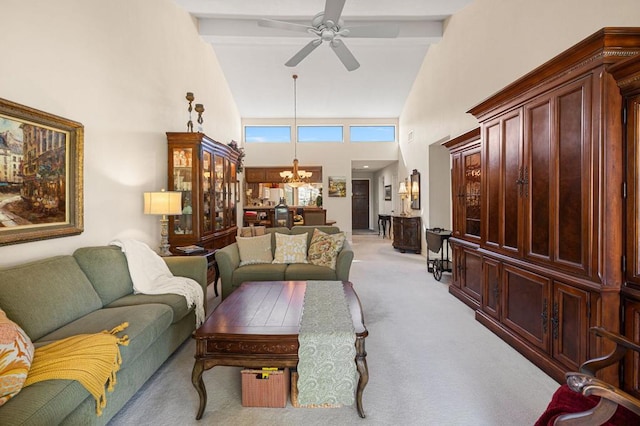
x,y
296,177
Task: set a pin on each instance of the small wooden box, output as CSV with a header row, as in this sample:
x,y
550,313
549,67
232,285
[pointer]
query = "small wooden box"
x,y
272,391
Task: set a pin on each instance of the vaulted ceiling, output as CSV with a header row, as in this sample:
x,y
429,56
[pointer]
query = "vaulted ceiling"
x,y
252,57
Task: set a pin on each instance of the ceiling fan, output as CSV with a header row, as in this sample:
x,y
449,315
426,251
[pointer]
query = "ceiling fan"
x,y
328,26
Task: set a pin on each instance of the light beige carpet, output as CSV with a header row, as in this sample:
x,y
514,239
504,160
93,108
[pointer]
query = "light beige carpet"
x,y
430,363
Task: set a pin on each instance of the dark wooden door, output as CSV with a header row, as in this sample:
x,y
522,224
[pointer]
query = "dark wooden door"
x,y
360,204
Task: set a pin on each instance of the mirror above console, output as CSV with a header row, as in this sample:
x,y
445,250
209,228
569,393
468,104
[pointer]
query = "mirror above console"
x,y
415,190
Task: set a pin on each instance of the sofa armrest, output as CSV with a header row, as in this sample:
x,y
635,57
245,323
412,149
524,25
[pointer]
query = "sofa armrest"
x,y
194,267
228,260
343,262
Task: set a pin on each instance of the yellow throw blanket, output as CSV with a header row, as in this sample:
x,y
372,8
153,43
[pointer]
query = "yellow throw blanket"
x,y
91,359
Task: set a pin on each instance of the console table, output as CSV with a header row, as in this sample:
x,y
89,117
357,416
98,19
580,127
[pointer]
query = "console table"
x,y
406,233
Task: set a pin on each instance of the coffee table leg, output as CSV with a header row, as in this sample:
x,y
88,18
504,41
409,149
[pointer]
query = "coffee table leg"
x,y
363,370
198,383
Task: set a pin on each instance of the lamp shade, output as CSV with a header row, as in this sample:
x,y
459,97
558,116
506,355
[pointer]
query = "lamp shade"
x,y
163,202
415,189
403,188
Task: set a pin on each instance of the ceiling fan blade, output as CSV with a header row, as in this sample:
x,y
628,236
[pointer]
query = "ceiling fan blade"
x,y
374,31
282,25
333,10
345,55
302,53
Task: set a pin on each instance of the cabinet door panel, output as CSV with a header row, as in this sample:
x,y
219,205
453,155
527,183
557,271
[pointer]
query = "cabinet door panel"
x,y
492,172
471,193
573,116
525,305
457,194
503,173
538,140
471,282
632,360
633,202
491,288
457,265
512,173
569,325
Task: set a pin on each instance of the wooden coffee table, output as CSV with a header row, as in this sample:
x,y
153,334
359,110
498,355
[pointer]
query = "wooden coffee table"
x,y
257,326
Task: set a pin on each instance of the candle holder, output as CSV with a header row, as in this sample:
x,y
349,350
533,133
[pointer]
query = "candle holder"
x,y
200,110
190,98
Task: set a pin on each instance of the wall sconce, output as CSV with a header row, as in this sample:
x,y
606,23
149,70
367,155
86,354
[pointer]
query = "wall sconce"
x,y
415,190
163,203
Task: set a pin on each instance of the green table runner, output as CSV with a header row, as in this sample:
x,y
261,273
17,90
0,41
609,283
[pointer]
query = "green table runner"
x,y
327,372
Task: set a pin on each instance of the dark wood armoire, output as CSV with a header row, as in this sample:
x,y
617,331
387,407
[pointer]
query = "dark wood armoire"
x,y
549,258
627,75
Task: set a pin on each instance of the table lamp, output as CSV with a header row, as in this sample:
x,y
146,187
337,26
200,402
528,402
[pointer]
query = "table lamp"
x,y
403,191
163,203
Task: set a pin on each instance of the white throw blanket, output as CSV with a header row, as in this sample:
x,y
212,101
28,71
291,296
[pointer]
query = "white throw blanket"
x,y
151,275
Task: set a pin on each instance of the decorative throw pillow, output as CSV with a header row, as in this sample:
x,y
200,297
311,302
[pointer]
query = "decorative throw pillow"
x,y
291,248
16,354
324,248
254,249
252,231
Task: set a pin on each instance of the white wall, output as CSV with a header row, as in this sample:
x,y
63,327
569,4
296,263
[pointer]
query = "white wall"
x,y
122,69
486,46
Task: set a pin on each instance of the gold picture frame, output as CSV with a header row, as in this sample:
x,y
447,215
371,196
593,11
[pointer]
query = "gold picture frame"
x,y
337,186
41,189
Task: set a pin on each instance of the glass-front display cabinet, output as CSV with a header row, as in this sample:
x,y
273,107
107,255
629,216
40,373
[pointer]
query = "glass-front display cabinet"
x,y
205,172
466,182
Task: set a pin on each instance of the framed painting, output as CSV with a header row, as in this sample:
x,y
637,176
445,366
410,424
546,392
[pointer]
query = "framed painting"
x,y
387,192
337,186
41,167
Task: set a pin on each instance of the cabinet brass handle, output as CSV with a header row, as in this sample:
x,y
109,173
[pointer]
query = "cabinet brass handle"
x,y
555,321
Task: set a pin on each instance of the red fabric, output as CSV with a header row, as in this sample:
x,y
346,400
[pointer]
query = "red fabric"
x,y
566,401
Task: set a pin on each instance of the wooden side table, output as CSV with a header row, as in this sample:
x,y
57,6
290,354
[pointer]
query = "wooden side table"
x,y
213,272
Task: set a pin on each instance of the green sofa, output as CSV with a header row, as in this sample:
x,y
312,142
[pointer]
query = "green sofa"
x,y
88,292
232,274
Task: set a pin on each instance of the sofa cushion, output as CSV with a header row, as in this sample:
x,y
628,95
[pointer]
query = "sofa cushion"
x,y
271,272
308,272
16,354
107,269
291,248
46,285
146,323
176,302
252,231
254,249
309,229
324,248
45,403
